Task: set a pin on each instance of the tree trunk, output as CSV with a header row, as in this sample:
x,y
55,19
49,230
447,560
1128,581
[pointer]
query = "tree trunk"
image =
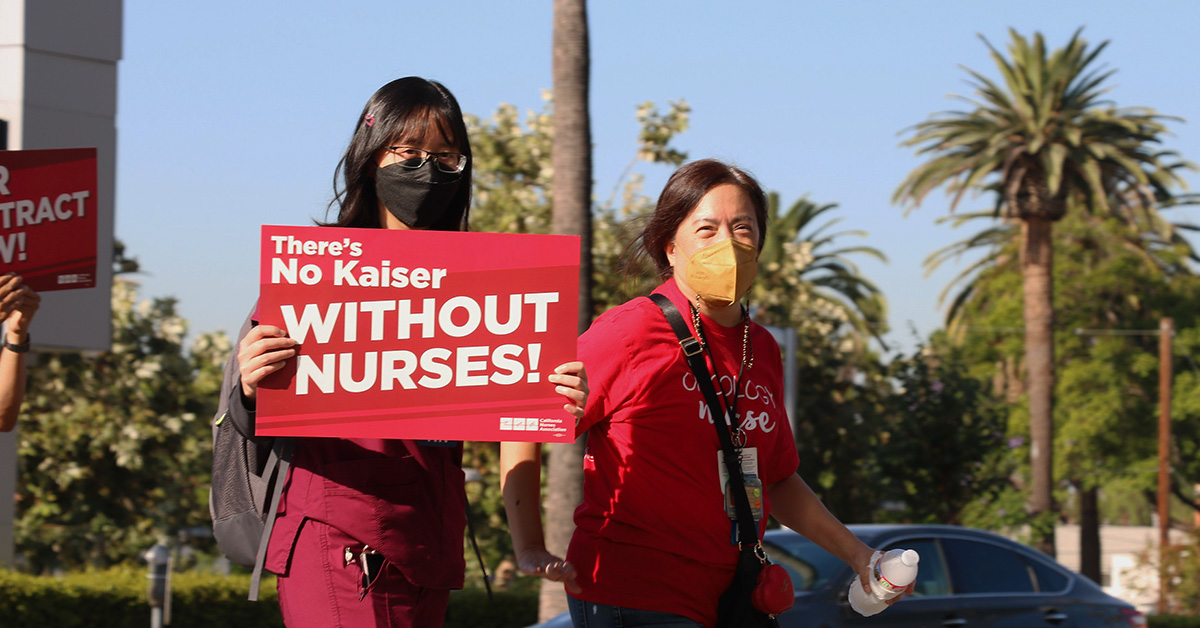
x,y
1089,533
571,160
1037,256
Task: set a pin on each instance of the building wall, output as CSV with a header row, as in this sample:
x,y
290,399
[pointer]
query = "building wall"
x,y
1123,552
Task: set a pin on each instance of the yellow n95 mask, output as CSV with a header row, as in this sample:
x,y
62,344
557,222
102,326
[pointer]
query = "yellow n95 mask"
x,y
721,274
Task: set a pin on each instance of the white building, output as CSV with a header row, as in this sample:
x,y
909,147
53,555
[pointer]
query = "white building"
x,y
1124,550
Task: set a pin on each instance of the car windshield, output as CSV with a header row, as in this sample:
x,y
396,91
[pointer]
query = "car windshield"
x,y
808,565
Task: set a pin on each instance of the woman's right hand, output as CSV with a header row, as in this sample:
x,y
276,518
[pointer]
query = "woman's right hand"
x,y
262,352
539,562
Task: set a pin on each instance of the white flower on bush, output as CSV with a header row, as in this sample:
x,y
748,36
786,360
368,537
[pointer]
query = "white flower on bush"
x,y
150,368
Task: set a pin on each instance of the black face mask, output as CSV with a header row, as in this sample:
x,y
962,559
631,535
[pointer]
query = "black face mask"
x,y
418,198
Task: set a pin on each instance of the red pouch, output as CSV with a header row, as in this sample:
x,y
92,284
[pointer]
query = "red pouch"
x,y
773,591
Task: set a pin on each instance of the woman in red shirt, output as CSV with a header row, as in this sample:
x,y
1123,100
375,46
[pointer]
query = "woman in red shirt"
x,y
652,543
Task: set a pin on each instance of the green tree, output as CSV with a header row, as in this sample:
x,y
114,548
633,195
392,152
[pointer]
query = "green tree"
x,y
838,422
916,439
942,447
1045,144
115,446
1110,380
1116,282
511,182
802,278
1185,426
617,275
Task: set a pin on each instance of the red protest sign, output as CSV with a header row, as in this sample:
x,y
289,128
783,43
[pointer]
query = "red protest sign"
x,y
418,334
48,217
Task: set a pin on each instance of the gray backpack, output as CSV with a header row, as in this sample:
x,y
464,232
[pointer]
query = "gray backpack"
x,y
248,474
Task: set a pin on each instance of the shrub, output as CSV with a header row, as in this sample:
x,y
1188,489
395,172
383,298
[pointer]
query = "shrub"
x,y
116,598
1173,621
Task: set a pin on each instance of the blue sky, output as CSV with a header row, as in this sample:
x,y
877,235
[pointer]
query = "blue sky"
x,y
233,114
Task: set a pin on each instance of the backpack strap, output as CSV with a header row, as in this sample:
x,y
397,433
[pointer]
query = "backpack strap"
x,y
278,463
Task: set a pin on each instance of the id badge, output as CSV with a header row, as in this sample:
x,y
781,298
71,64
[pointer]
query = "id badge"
x,y
753,486
754,495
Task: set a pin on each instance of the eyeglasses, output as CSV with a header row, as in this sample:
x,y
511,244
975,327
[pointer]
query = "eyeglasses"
x,y
413,158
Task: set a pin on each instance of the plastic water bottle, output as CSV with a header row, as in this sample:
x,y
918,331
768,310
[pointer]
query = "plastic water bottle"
x,y
891,573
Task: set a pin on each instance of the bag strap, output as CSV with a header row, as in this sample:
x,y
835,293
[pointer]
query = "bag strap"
x,y
281,456
487,583
693,352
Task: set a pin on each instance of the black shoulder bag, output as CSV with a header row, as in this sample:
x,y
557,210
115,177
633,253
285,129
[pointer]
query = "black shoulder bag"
x,y
736,607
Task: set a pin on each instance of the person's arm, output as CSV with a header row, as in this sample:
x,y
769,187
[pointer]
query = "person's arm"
x,y
794,504
521,487
12,388
19,303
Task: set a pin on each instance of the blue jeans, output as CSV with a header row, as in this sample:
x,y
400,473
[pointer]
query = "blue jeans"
x,y
592,615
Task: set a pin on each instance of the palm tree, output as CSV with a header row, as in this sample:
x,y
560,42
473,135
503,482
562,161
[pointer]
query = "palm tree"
x,y
1046,144
796,259
571,160
1157,242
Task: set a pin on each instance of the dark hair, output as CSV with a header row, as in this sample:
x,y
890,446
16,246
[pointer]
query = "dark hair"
x,y
683,193
407,108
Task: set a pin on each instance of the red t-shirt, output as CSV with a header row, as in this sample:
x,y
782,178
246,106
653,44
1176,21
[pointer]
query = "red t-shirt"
x,y
652,532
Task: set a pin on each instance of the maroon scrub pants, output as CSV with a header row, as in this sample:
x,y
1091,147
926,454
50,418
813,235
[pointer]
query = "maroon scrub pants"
x,y
321,591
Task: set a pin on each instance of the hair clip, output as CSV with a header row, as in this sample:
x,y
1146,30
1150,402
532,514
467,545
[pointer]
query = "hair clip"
x,y
369,119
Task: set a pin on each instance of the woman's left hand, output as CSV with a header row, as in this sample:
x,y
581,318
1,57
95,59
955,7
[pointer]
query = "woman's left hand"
x,y
570,381
539,562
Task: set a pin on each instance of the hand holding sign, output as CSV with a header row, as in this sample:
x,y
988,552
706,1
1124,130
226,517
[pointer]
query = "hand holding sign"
x,y
261,353
10,294
571,380
18,304
22,316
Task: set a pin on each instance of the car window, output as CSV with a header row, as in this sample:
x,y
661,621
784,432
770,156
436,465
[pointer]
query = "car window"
x,y
931,570
977,567
1049,580
808,565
